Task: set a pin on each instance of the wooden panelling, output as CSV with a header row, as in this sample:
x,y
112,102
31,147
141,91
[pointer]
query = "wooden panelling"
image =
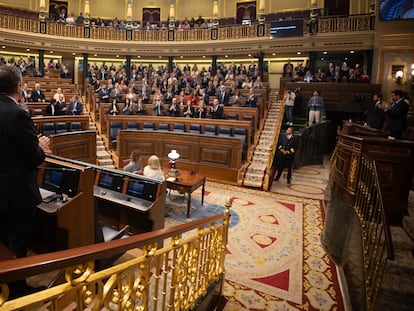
x,y
209,155
75,145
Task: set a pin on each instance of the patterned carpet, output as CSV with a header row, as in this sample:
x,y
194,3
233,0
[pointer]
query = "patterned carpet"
x,y
274,260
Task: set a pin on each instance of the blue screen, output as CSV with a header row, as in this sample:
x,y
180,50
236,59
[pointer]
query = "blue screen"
x,y
396,10
289,28
135,188
105,181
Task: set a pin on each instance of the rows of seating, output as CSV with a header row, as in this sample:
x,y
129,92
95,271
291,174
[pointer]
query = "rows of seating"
x,y
230,113
60,127
49,125
39,108
206,127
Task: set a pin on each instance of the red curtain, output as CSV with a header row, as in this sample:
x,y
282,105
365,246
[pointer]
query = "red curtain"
x,y
151,15
246,10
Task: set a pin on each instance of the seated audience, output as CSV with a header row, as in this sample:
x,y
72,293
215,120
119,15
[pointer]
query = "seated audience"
x,y
75,106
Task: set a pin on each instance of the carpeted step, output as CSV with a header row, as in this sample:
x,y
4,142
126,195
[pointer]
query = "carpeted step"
x,y
105,162
396,292
408,225
103,155
402,265
400,239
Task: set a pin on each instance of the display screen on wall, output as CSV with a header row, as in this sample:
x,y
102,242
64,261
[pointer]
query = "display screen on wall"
x,y
289,28
390,10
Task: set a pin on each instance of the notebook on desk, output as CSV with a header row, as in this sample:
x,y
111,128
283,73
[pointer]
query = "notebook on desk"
x,y
47,195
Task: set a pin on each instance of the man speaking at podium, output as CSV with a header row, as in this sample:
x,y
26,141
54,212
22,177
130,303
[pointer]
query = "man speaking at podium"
x,y
22,150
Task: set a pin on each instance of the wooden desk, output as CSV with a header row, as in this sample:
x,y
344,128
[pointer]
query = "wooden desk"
x,y
187,183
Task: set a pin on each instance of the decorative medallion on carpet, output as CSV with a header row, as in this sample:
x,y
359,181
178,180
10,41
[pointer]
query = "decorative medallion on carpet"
x,y
274,259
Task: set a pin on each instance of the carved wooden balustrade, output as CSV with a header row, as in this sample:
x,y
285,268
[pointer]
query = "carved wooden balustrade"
x,y
351,23
176,277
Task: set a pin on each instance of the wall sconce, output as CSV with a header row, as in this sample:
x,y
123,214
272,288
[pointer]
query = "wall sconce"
x,y
399,76
173,156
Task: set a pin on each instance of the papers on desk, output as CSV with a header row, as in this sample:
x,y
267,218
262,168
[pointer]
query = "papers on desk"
x,y
171,179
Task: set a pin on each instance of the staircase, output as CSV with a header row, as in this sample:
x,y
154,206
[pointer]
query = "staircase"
x,y
103,157
259,164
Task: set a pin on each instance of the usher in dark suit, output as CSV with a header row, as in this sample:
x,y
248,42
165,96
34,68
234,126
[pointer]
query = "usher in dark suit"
x,y
19,157
286,160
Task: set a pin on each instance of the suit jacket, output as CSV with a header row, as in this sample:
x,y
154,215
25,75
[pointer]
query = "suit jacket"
x,y
397,118
75,108
223,99
36,96
289,144
251,101
49,111
217,112
19,157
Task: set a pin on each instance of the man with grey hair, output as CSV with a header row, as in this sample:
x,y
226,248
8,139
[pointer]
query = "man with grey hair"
x,y
21,152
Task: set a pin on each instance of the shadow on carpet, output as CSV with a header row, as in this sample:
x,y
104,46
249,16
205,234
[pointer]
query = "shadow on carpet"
x,y
176,205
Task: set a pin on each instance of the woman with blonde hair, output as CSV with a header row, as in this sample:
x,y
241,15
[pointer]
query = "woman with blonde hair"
x,y
135,163
153,169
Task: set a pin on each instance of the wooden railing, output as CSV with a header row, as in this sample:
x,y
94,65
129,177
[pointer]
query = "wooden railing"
x,y
334,24
175,277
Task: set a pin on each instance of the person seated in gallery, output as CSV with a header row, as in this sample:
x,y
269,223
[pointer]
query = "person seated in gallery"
x,y
216,111
113,108
251,100
128,108
201,111
52,109
135,163
174,108
188,111
75,106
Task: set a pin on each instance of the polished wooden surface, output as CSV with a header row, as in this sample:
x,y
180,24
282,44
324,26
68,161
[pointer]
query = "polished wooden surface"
x,y
395,167
186,182
210,155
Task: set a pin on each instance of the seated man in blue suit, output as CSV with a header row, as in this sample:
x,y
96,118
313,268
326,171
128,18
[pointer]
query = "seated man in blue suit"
x,y
251,100
75,106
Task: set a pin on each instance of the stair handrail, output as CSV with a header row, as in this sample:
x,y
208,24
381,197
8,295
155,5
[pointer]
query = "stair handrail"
x,y
199,259
376,234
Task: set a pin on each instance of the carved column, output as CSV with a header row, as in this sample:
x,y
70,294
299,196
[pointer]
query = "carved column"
x,y
42,61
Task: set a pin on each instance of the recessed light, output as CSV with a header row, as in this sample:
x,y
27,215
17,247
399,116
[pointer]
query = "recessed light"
x,y
298,52
273,54
3,46
117,55
249,55
325,52
181,56
352,52
51,52
73,53
138,56
204,56
95,55
160,56
322,58
28,50
226,56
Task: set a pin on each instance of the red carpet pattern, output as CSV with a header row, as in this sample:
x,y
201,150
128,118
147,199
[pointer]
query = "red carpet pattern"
x,y
274,260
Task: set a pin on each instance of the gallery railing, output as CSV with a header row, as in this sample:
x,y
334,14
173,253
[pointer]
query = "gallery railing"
x,y
178,276
333,24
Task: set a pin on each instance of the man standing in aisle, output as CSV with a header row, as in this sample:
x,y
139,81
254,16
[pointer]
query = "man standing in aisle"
x,y
21,152
285,153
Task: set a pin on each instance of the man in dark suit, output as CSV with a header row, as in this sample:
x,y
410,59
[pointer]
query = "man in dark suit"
x,y
285,153
22,151
75,106
223,96
251,100
37,94
216,111
397,114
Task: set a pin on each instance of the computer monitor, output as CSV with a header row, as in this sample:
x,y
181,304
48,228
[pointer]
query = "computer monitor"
x,y
61,180
142,189
111,181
